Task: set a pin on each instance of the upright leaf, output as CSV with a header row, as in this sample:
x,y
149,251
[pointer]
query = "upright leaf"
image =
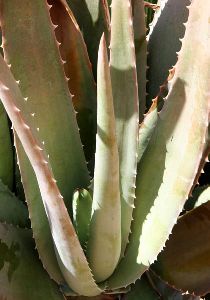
x,y
49,105
140,42
78,69
93,19
69,254
82,207
104,243
125,95
169,164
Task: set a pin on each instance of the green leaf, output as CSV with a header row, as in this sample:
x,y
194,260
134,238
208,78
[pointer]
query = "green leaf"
x,y
169,165
199,196
6,155
78,69
22,276
164,37
166,291
94,20
69,254
82,207
142,290
41,76
43,81
12,210
185,261
105,226
148,126
125,95
140,42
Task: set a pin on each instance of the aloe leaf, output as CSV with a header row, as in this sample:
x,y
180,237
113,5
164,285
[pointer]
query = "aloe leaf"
x,y
199,196
166,291
19,190
78,69
148,126
140,42
125,95
6,155
106,208
41,228
94,20
189,270
203,197
71,259
165,33
174,152
32,37
12,211
142,290
22,276
82,207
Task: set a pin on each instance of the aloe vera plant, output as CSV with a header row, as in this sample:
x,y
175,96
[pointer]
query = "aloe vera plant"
x,y
104,183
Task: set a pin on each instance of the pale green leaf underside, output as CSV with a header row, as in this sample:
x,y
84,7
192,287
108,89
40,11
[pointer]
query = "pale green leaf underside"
x,y
125,95
170,162
105,226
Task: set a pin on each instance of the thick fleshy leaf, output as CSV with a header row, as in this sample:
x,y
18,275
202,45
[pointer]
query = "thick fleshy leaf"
x,y
140,42
148,126
169,165
142,289
190,239
78,69
22,276
94,20
70,257
199,196
12,210
6,155
31,49
82,207
125,95
166,291
106,207
164,37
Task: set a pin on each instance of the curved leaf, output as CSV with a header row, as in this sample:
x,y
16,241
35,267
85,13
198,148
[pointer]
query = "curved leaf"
x,y
48,108
190,239
169,165
70,256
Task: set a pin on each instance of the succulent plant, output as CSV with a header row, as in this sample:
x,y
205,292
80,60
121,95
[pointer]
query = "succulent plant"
x,y
106,168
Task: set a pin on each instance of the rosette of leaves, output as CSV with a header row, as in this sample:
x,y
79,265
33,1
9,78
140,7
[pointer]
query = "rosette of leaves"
x,y
104,183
